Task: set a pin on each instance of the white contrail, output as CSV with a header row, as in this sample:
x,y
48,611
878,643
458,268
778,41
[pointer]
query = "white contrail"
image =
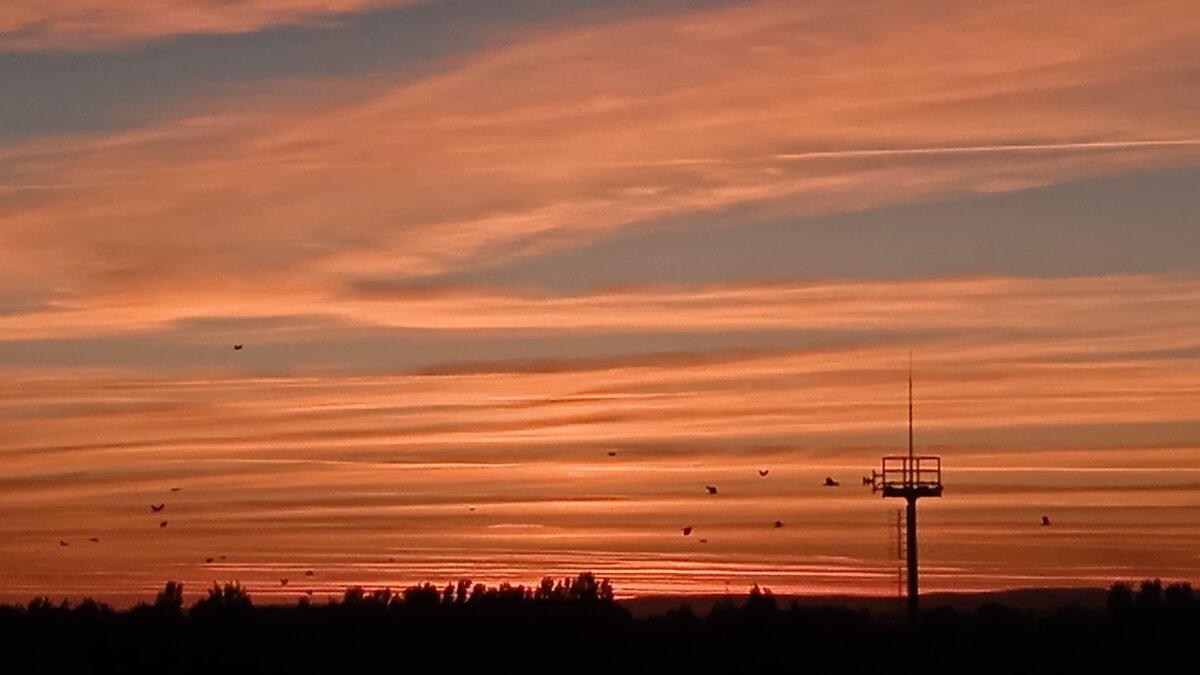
x,y
852,153
975,149
703,161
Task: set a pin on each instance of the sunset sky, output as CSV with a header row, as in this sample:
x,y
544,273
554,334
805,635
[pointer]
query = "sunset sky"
x,y
472,247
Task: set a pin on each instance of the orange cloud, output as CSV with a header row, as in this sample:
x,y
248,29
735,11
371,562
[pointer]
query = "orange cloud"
x,y
568,137
245,211
99,24
386,467
1114,309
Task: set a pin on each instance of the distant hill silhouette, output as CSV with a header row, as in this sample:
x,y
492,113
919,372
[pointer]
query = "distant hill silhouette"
x,y
574,625
1033,599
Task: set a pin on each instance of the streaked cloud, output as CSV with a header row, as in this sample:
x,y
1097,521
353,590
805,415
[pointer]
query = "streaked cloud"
x,y
984,149
353,232
1091,306
1074,397
100,24
371,478
561,140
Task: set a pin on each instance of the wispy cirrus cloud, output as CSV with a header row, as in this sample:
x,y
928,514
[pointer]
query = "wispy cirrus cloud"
x,y
424,467
573,136
983,303
99,24
315,230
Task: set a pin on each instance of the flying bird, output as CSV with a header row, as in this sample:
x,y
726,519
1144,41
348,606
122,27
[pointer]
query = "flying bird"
x,y
283,582
470,508
237,348
308,573
686,531
176,489
94,540
208,560
778,524
62,543
1045,521
830,482
867,480
764,472
612,454
157,507
703,541
163,524
222,557
712,489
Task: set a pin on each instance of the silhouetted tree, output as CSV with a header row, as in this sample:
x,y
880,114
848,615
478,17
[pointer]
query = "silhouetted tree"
x,y
91,608
1120,599
573,624
423,596
353,595
169,601
228,601
1149,597
1179,596
43,606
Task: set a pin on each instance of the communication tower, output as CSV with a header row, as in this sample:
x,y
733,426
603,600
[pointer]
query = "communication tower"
x,y
909,476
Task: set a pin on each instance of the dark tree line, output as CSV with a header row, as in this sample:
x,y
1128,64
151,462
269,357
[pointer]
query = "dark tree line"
x,y
574,625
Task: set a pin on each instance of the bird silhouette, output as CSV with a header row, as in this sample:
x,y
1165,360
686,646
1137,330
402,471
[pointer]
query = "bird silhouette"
x,y
176,489
237,348
867,480
703,541
471,508
222,557
283,582
764,472
208,560
62,543
157,507
612,454
686,531
308,573
712,489
830,482
778,524
94,540
1045,521
163,524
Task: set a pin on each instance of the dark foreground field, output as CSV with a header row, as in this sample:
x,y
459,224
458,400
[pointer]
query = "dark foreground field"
x,y
575,626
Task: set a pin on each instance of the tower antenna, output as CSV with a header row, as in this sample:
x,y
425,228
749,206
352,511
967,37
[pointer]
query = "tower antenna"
x,y
909,476
910,408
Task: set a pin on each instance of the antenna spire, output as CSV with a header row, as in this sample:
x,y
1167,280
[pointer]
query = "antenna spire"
x,y
910,407
910,477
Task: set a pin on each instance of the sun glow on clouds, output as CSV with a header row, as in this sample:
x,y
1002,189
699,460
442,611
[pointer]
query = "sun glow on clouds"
x,y
504,468
563,139
309,230
30,25
1091,305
